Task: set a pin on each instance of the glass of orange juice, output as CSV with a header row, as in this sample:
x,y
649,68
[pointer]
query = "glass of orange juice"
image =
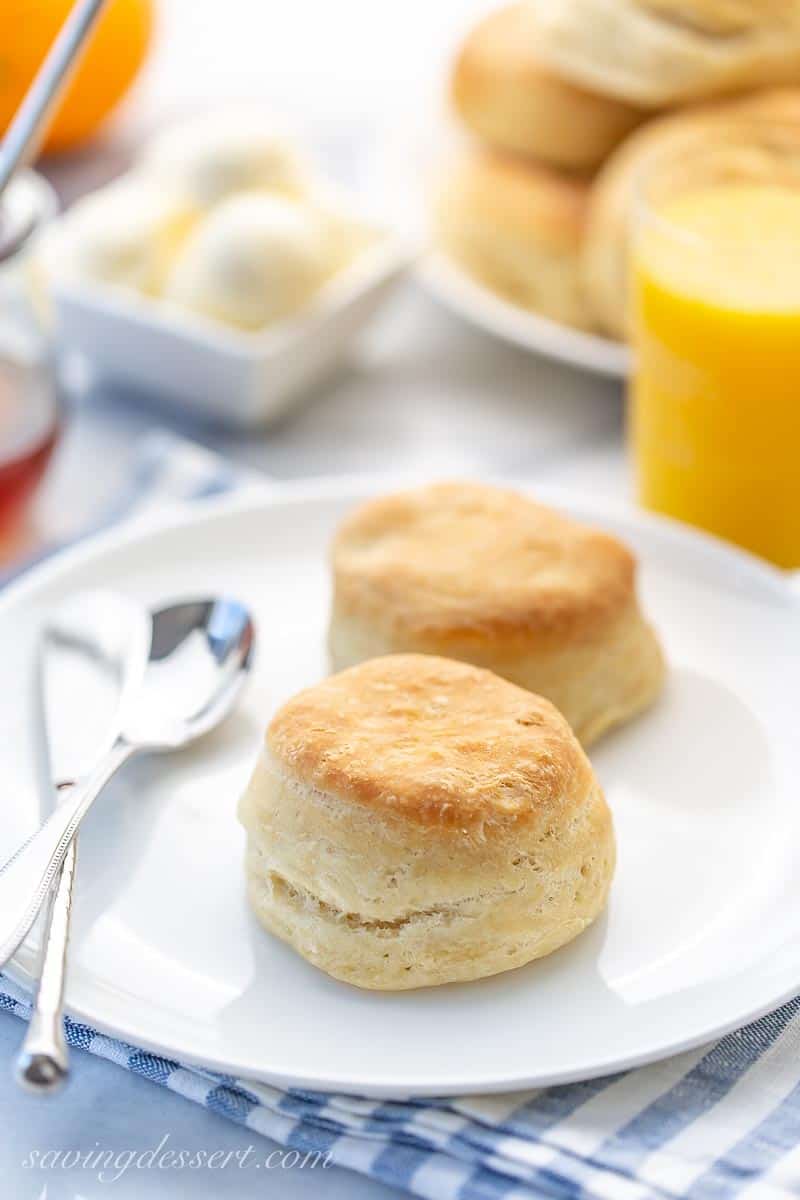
x,y
715,392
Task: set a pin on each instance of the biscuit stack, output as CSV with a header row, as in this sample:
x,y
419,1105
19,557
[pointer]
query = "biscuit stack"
x,y
566,100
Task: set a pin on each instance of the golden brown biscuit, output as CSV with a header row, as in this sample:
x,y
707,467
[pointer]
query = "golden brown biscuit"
x,y
725,17
416,821
656,53
488,576
517,226
611,208
508,99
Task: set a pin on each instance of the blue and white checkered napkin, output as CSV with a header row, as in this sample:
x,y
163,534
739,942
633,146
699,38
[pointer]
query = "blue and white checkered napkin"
x,y
713,1123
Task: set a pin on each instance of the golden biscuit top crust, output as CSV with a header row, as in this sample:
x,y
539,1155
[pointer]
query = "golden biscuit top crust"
x,y
465,562
518,197
504,42
502,48
724,17
434,741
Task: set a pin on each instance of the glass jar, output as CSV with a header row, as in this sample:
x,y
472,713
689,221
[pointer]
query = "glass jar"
x,y
29,408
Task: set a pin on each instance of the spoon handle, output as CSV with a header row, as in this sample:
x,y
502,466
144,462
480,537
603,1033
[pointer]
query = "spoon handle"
x,y
42,1064
26,130
27,877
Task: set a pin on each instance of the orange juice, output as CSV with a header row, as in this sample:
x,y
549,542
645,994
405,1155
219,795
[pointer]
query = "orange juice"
x,y
715,399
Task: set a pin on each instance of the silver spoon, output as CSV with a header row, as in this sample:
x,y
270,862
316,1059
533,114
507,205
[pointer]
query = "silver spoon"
x,y
98,641
26,131
200,654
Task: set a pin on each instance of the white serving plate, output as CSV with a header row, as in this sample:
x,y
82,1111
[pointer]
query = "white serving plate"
x,y
703,928
235,378
465,296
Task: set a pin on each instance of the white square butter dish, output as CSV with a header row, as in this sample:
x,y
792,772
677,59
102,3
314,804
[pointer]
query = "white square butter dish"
x,y
241,379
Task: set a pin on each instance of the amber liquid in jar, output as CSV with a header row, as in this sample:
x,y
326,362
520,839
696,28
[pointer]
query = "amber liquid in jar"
x,y
28,433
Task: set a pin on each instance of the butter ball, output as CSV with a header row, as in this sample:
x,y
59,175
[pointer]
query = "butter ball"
x,y
346,234
256,259
125,234
213,157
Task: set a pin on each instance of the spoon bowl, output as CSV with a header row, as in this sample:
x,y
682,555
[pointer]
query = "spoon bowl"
x,y
201,651
200,654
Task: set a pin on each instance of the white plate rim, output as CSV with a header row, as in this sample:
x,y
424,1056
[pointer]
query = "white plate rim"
x,y
468,298
720,555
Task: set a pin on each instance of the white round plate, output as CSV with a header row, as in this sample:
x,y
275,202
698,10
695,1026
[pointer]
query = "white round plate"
x,y
458,291
703,928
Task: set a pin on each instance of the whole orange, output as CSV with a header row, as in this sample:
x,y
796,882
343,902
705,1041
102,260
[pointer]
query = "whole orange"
x,y
108,66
